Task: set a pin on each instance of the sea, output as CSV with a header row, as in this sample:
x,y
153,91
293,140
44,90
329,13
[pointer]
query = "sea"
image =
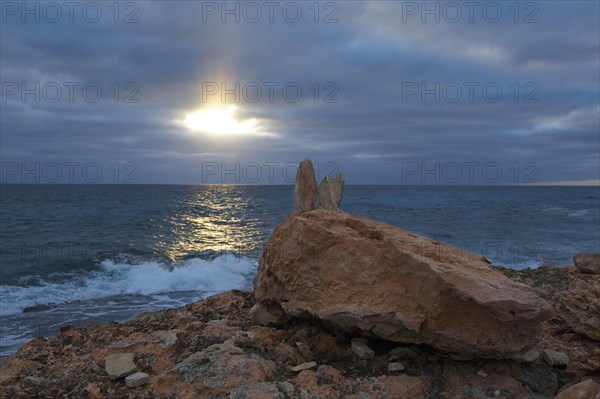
x,y
80,254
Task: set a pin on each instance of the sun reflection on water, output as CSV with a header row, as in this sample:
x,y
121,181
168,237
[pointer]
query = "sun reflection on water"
x,y
214,218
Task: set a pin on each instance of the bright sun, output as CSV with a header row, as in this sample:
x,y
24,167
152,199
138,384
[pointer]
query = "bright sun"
x,y
220,121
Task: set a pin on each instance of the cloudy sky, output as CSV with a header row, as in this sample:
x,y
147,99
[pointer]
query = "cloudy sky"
x,y
239,92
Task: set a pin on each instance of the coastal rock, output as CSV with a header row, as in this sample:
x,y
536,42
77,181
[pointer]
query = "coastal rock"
x,y
221,353
224,366
136,380
331,191
167,339
119,365
304,366
362,350
306,191
587,262
554,358
579,306
394,367
267,315
584,390
370,278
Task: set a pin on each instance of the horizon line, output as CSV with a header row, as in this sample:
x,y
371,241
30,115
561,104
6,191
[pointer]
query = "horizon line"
x,y
579,183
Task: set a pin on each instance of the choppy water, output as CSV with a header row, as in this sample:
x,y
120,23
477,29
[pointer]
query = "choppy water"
x,y
74,254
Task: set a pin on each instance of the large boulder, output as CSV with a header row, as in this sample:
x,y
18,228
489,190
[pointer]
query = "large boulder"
x,y
369,278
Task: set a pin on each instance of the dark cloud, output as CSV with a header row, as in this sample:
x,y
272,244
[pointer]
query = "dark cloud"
x,y
373,64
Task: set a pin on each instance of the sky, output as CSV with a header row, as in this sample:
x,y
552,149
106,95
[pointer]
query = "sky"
x,y
191,92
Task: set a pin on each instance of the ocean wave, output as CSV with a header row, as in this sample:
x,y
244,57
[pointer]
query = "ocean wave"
x,y
577,214
221,273
528,264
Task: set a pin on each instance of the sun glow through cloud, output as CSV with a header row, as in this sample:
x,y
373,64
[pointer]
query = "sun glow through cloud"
x,y
220,121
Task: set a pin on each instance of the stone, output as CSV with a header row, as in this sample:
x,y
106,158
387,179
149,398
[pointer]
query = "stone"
x,y
359,346
224,366
306,191
331,191
304,366
394,367
400,352
584,390
119,365
267,315
587,262
482,374
554,358
369,278
579,306
595,378
167,339
136,379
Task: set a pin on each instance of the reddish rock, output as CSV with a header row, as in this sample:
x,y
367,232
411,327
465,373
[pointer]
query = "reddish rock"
x,y
367,277
584,390
588,262
580,304
222,353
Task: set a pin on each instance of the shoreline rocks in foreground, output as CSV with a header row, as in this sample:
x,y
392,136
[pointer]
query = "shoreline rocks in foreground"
x,y
212,349
369,278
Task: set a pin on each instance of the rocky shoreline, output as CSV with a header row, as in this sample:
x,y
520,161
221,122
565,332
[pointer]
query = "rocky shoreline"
x,y
213,349
343,307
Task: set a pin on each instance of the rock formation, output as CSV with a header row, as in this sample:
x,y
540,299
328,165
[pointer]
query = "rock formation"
x,y
579,306
221,353
584,390
306,191
369,278
588,262
331,191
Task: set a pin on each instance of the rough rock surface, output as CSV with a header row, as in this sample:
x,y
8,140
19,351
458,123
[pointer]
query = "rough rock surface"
x,y
331,191
136,380
222,353
579,306
119,365
362,350
588,262
367,277
554,358
306,191
583,390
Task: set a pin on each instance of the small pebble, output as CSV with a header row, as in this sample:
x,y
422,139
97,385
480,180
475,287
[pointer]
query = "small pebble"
x,y
395,366
304,366
482,374
136,379
359,346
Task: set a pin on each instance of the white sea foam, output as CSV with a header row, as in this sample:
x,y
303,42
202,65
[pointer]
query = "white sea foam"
x,y
579,214
226,272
